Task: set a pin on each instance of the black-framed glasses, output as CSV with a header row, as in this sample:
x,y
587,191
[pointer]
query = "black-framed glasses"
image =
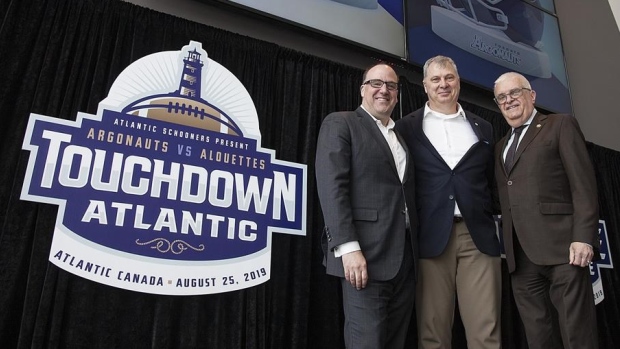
x,y
378,83
514,94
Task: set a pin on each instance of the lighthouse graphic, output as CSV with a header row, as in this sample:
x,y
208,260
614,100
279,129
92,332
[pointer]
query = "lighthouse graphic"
x,y
185,105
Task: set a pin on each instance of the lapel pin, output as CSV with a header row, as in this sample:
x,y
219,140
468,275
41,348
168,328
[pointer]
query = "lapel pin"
x,y
538,126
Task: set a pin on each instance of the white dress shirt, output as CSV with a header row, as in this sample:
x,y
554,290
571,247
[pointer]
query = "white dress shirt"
x,y
451,135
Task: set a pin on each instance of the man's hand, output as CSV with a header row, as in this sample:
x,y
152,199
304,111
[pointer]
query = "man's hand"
x,y
580,254
355,270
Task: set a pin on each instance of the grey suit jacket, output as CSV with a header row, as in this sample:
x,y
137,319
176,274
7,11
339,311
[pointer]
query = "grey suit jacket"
x,y
550,195
361,195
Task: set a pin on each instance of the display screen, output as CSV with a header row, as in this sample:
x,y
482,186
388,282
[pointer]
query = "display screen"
x,y
487,38
376,24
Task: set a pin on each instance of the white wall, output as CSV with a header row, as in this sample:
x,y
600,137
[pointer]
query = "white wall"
x,y
239,21
591,39
615,9
590,35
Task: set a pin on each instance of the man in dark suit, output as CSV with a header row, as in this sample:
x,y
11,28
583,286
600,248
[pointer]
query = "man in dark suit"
x,y
366,194
459,249
547,191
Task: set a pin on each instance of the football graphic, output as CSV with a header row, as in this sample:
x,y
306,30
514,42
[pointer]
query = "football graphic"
x,y
184,106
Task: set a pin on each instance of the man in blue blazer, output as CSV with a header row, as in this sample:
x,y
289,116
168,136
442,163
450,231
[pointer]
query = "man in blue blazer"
x,y
452,154
366,192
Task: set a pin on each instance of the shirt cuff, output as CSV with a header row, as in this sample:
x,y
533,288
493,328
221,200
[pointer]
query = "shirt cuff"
x,y
345,248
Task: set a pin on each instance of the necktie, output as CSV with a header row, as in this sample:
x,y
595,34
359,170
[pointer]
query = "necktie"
x,y
510,155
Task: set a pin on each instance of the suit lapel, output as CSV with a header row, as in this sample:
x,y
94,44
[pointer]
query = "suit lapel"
x,y
532,131
404,145
475,125
418,132
500,154
369,123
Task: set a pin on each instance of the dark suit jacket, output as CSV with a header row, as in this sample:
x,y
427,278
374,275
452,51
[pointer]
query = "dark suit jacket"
x,y
361,195
550,194
438,187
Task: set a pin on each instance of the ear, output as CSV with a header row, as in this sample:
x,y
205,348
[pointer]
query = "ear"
x,y
533,96
424,84
362,90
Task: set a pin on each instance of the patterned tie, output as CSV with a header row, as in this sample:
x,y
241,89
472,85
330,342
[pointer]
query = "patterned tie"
x,y
510,155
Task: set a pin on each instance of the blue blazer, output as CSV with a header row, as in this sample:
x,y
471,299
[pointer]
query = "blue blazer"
x,y
438,187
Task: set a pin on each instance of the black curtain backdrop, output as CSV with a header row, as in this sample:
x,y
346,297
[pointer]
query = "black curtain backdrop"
x,y
59,57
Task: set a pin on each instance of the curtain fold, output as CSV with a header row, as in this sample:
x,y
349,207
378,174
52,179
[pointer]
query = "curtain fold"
x,y
60,57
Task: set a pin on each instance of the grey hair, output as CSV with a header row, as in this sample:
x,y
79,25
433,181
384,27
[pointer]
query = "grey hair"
x,y
442,61
511,75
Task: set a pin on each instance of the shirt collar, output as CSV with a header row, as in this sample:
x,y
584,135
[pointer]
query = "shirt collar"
x,y
390,124
459,112
529,121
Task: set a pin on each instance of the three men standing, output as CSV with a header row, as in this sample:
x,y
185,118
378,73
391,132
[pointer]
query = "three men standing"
x,y
384,197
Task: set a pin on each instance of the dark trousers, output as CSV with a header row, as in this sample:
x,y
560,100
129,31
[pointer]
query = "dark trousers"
x,y
378,316
555,302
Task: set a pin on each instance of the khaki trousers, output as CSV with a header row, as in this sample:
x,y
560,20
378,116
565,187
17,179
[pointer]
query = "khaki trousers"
x,y
475,278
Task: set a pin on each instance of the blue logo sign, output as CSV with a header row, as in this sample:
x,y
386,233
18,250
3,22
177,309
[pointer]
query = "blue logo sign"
x,y
604,262
166,189
595,267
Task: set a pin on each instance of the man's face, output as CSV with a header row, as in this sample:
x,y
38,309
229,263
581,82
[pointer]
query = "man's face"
x,y
442,85
516,110
380,101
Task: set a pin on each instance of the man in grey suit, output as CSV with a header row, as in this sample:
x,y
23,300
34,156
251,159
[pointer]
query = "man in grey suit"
x,y
547,190
365,187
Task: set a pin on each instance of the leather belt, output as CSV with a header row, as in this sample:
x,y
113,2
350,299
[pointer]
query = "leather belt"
x,y
458,219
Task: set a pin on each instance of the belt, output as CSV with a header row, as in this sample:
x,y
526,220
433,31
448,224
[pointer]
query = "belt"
x,y
457,219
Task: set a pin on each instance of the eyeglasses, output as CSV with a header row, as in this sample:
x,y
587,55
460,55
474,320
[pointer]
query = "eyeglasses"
x,y
377,83
514,94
